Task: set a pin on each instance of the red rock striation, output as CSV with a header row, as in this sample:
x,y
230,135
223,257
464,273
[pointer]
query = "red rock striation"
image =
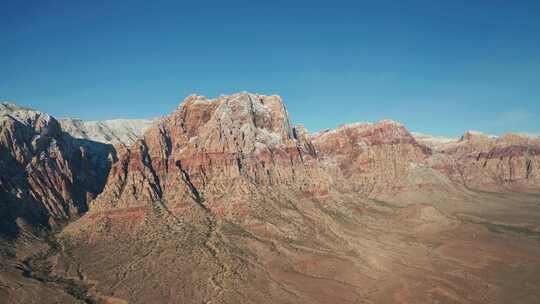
x,y
218,152
46,176
374,157
206,149
490,162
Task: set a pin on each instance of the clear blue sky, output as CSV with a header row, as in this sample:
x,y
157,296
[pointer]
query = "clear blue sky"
x,y
440,67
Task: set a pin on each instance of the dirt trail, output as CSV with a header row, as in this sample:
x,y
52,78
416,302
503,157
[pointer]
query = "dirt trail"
x,y
40,267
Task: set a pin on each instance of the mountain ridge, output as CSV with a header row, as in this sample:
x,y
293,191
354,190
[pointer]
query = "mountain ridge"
x,y
127,130
224,200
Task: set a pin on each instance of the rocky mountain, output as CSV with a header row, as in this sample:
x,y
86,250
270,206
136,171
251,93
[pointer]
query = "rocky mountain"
x,y
488,162
114,131
205,146
374,157
434,142
225,201
47,176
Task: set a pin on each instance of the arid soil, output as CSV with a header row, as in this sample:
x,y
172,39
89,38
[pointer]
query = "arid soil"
x,y
371,251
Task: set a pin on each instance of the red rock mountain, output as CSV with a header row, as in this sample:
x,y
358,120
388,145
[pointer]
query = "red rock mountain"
x,y
46,176
208,147
234,145
224,201
485,162
374,157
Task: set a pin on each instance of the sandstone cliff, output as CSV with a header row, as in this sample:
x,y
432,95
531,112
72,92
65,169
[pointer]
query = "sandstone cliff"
x,y
486,162
373,157
209,149
47,177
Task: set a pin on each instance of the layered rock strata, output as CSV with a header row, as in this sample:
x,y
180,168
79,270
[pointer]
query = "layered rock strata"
x,y
47,177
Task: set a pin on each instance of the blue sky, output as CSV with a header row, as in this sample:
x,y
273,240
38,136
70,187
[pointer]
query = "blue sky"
x,y
440,67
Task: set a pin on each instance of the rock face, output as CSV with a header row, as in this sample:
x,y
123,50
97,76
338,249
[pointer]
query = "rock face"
x,y
116,131
46,176
208,147
487,162
240,143
375,157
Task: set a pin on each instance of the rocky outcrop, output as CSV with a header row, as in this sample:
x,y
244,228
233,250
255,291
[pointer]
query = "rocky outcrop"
x,y
491,163
47,177
209,148
374,157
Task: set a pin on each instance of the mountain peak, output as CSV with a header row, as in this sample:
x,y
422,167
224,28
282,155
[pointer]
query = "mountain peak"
x,y
475,135
7,107
261,118
41,122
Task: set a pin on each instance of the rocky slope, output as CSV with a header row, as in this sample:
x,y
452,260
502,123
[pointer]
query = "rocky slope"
x,y
481,161
115,131
47,177
207,147
374,157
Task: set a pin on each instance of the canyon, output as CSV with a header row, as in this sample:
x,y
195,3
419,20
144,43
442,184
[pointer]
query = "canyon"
x,y
226,201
